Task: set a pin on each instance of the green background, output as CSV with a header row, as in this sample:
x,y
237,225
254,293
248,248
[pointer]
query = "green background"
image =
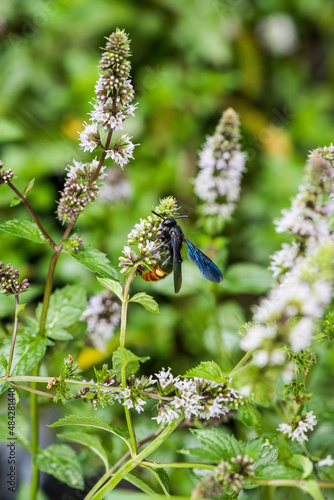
x,y
191,60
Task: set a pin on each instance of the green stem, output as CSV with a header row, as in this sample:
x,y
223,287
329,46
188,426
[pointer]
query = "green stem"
x,y
34,438
241,363
125,306
16,322
35,391
128,418
291,482
131,464
178,465
33,214
48,291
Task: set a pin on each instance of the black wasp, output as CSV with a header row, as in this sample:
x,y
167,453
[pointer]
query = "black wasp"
x,y
172,239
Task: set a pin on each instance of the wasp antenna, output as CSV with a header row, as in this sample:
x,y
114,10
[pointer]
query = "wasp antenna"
x,y
181,217
153,212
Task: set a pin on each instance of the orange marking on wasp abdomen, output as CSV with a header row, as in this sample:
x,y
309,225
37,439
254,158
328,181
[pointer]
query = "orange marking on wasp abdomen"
x,y
154,274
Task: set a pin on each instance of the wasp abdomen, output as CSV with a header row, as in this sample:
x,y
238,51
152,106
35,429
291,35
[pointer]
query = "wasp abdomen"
x,y
154,274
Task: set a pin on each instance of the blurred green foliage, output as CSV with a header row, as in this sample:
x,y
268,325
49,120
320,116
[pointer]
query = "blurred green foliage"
x,y
191,60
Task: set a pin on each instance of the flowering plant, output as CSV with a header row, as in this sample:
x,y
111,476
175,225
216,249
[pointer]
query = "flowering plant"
x,y
286,325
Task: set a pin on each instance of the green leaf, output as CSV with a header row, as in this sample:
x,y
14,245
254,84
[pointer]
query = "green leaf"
x,y
113,286
25,229
87,440
303,463
128,359
66,307
15,201
95,261
163,479
262,450
140,484
20,309
29,350
61,461
58,334
92,422
247,278
28,187
276,471
208,370
249,416
217,445
146,301
313,489
3,361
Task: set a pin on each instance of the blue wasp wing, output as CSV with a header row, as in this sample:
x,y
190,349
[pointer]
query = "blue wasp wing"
x,y
177,272
208,269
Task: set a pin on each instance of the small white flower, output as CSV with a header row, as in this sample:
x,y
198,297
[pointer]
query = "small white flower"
x,y
89,137
326,461
298,430
166,415
165,378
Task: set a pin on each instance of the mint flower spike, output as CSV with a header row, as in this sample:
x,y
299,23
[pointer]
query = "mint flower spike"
x,y
9,283
146,237
112,105
311,215
78,190
221,166
5,175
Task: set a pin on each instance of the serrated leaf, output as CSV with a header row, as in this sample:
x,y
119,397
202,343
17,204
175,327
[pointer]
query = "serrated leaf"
x,y
24,229
124,357
303,463
262,450
313,489
29,350
146,301
92,422
95,261
87,440
66,307
15,201
247,278
62,462
113,286
28,187
249,416
276,471
208,370
218,444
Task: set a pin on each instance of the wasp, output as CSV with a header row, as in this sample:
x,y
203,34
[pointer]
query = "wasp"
x,y
172,239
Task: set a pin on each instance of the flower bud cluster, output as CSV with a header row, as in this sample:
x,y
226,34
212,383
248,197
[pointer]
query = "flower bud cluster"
x,y
221,166
103,315
114,94
299,426
78,190
146,236
9,283
5,176
227,479
232,474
